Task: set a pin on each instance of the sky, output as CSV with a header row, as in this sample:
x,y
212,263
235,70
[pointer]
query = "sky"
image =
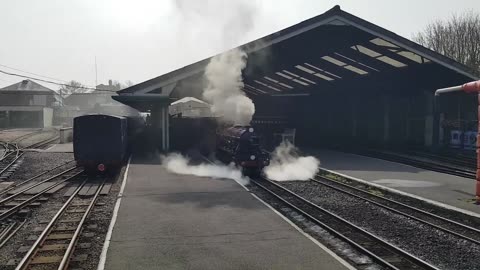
x,y
137,40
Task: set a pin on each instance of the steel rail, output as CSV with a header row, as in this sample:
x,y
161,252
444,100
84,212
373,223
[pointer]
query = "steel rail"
x,y
41,143
5,146
422,164
5,240
24,263
33,178
400,212
410,257
9,198
16,208
11,163
6,230
71,246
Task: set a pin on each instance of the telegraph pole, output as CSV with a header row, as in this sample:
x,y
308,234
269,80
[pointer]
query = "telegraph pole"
x,y
96,74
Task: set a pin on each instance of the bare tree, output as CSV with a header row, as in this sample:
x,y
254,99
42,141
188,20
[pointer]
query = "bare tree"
x,y
128,83
118,85
457,38
72,87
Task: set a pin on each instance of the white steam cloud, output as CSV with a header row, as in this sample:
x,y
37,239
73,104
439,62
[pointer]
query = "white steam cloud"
x,y
176,163
286,165
224,88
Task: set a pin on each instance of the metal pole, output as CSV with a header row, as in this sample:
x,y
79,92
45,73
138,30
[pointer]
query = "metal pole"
x,y
448,89
471,87
436,122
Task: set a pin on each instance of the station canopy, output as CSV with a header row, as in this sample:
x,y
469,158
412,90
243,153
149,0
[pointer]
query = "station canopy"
x,y
335,51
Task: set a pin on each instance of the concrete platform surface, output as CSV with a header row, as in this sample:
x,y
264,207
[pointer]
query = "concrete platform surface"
x,y
448,189
60,148
169,221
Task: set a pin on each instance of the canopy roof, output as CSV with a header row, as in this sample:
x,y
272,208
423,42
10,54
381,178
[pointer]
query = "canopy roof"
x,y
335,51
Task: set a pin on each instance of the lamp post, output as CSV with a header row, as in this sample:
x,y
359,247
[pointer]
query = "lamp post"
x,y
471,87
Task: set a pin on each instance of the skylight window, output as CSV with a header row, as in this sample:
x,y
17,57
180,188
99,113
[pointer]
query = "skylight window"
x,y
274,88
278,82
383,43
387,59
309,71
299,77
366,51
323,77
360,63
253,89
307,80
285,85
413,56
267,85
302,68
319,69
270,79
290,73
344,65
300,82
283,75
391,61
334,61
312,66
356,70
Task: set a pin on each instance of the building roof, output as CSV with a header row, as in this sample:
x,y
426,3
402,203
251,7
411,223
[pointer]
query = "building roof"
x,y
27,85
187,99
332,51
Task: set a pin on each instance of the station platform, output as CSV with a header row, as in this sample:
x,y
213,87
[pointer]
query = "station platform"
x,y
168,221
446,189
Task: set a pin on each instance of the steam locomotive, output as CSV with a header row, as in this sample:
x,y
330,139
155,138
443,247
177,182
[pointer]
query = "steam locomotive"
x,y
241,145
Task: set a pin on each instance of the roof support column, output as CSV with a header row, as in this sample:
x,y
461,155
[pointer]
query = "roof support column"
x,y
8,119
408,112
162,112
165,129
354,118
386,119
431,125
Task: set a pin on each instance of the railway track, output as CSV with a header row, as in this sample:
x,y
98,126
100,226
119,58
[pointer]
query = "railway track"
x,y
10,156
26,196
5,149
380,251
13,152
55,246
455,228
9,230
456,160
33,178
424,164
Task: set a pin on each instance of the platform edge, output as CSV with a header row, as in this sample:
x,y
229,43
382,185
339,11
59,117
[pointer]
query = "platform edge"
x,y
108,237
403,193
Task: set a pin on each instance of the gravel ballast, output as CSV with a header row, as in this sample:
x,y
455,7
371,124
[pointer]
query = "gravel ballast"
x,y
429,244
97,224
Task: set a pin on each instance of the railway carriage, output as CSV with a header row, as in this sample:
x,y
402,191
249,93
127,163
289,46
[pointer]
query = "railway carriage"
x,y
101,142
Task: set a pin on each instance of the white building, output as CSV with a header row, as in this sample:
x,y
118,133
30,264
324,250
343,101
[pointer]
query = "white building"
x,y
190,107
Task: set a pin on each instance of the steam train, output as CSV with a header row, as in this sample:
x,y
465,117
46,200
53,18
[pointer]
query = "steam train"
x,y
241,145
101,142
